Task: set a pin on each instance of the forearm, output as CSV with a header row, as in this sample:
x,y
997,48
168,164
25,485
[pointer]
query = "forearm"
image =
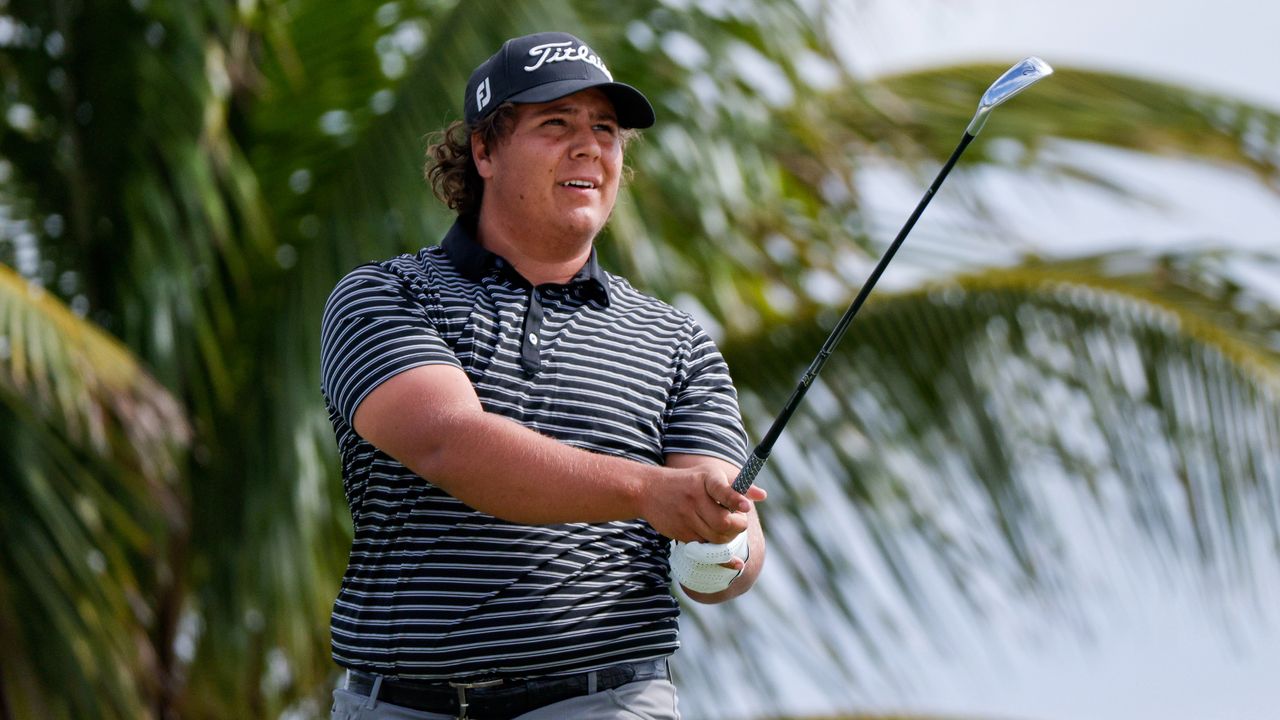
x,y
502,468
430,420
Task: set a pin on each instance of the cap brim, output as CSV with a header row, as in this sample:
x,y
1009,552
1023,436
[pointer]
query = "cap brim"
x,y
633,108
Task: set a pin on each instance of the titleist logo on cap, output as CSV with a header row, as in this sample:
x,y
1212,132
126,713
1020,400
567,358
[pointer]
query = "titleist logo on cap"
x,y
564,52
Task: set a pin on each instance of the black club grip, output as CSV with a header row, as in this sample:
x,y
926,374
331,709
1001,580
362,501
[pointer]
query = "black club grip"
x,y
747,475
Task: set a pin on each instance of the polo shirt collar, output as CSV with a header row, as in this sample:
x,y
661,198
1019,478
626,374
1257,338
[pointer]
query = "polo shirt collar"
x,y
474,261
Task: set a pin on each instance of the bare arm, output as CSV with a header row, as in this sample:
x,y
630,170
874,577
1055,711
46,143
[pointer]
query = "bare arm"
x,y
430,420
755,536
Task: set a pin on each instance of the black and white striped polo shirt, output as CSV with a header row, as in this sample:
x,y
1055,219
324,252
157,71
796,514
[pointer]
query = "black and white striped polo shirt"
x,y
435,589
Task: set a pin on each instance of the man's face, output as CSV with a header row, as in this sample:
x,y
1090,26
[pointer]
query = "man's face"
x,y
557,171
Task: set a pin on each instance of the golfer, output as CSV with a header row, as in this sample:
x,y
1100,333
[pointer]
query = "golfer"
x,y
523,433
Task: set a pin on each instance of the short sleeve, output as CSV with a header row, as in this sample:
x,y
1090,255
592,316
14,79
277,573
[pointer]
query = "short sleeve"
x,y
704,418
376,324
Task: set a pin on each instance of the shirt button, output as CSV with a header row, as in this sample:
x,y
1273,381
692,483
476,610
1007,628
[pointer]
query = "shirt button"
x,y
533,338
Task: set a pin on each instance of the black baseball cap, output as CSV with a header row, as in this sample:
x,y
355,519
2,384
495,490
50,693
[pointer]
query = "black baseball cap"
x,y
545,66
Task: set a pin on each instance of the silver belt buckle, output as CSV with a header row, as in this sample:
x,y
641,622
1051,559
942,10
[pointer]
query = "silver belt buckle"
x,y
463,687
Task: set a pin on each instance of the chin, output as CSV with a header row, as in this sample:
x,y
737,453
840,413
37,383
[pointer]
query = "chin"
x,y
586,225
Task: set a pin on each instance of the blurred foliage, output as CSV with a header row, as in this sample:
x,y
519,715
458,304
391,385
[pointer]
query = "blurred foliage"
x,y
181,183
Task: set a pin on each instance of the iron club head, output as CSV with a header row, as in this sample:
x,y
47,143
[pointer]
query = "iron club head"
x,y
1013,81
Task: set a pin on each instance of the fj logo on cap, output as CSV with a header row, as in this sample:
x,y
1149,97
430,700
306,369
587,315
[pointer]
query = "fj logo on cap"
x,y
564,52
483,95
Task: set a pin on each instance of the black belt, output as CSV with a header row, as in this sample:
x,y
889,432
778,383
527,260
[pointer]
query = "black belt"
x,y
498,698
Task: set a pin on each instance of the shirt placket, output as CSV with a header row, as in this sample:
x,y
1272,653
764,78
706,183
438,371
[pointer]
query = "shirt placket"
x,y
531,338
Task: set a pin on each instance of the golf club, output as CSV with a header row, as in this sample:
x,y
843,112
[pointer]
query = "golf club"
x,y
1013,81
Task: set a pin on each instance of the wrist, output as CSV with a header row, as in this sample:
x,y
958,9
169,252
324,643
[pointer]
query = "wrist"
x,y
633,484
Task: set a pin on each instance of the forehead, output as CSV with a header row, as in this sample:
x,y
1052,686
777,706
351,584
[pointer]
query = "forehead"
x,y
591,100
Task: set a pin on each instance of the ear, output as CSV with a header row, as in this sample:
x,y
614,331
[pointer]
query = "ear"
x,y
481,155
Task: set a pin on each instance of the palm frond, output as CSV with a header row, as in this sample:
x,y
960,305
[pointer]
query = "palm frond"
x,y
92,456
954,424
76,378
743,205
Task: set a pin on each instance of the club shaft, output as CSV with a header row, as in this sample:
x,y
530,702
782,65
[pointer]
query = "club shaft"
x,y
761,452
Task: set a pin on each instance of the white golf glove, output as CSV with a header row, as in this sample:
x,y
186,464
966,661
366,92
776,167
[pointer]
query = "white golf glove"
x,y
697,565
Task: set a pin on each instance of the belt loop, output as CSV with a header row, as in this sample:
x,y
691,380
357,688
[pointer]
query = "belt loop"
x,y
593,682
373,694
462,702
346,683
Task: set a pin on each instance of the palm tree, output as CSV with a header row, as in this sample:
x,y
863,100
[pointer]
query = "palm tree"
x,y
187,181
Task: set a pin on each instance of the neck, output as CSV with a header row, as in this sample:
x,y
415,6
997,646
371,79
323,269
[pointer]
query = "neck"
x,y
539,257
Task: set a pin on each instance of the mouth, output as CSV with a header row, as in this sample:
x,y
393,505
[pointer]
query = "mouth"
x,y
580,184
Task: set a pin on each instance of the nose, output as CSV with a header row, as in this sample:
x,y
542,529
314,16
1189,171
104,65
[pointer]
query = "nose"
x,y
584,144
